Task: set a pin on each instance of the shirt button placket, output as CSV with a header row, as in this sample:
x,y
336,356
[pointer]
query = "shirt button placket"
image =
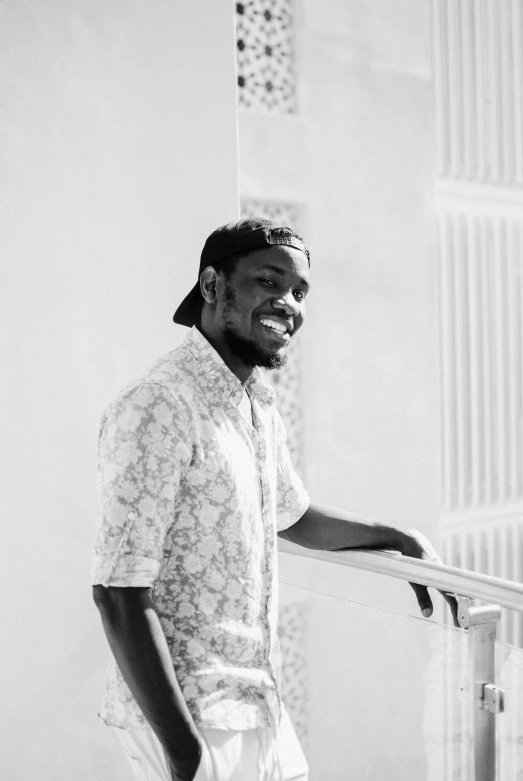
x,y
261,458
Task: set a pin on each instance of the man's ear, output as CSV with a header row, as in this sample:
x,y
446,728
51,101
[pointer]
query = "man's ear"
x,y
208,284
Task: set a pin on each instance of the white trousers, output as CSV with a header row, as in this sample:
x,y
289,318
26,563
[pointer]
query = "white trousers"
x,y
250,755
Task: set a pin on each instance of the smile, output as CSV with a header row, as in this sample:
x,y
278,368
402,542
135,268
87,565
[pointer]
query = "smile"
x,y
276,326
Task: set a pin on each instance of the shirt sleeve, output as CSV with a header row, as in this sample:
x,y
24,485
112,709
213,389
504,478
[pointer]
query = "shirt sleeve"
x,y
144,451
291,498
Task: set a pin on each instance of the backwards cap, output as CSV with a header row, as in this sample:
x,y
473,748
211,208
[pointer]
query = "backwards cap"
x,y
235,238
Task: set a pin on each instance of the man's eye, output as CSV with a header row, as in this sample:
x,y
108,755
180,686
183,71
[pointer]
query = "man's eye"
x,y
268,282
299,295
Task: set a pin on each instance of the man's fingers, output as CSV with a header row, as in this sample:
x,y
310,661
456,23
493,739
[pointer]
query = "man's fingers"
x,y
428,553
424,600
453,604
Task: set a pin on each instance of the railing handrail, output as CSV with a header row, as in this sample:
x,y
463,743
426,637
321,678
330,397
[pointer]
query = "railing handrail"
x,y
488,589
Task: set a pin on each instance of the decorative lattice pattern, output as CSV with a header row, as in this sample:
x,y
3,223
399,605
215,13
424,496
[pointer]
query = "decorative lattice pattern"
x,y
292,630
266,59
287,382
279,211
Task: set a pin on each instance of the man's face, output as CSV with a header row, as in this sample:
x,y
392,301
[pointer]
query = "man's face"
x,y
262,304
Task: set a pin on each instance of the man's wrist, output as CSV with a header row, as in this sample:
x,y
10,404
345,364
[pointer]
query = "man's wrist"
x,y
409,544
181,741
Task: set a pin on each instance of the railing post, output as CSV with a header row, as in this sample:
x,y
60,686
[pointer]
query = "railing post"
x,y
487,699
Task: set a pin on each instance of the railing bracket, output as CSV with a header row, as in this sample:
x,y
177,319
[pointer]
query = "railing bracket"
x,y
490,697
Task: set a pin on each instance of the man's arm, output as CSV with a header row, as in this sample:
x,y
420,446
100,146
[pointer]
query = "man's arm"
x,y
328,528
139,646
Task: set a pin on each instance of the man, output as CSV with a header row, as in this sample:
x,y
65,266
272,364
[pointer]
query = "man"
x,y
195,480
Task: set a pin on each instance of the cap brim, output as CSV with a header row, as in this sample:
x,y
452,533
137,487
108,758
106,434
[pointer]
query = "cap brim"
x,y
189,311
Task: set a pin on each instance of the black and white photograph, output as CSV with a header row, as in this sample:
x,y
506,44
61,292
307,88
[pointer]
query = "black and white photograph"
x,y
262,406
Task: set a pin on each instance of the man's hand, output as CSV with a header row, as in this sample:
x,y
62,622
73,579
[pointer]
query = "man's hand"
x,y
420,547
184,770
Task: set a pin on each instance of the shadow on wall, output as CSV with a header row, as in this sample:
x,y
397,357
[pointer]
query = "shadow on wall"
x,y
62,738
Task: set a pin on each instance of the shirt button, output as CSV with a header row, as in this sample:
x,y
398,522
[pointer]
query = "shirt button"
x,y
131,516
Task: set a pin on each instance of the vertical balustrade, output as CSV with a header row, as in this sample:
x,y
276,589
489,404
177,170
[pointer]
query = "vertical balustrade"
x,y
486,700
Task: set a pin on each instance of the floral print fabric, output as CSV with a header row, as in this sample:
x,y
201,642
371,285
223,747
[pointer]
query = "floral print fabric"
x,y
190,498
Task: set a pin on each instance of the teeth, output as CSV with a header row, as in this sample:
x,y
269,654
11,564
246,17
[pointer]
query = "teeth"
x,y
279,327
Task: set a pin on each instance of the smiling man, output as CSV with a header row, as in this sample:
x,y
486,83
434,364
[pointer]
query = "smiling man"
x,y
195,482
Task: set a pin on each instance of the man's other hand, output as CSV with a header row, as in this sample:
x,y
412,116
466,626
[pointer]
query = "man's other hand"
x,y
184,770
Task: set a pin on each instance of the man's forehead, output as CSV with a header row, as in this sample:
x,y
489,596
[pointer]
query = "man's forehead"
x,y
280,259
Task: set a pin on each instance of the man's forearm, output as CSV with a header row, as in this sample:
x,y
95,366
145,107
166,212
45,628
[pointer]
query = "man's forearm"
x,y
328,528
139,646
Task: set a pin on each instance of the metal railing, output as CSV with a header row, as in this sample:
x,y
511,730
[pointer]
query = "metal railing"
x,y
487,699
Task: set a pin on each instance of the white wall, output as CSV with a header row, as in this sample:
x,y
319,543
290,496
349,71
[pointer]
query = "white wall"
x,y
373,323
359,158
118,155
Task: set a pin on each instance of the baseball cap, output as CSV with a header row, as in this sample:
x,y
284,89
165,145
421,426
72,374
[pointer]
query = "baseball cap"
x,y
235,238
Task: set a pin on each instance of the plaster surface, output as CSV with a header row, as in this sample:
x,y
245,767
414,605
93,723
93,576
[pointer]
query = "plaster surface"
x,y
118,139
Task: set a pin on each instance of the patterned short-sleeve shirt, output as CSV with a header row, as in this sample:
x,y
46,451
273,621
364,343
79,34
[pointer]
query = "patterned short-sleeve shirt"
x,y
190,498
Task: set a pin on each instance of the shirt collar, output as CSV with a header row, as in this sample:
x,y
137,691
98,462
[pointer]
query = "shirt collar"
x,y
216,378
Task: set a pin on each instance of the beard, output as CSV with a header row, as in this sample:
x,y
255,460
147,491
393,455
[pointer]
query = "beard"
x,y
250,352
247,350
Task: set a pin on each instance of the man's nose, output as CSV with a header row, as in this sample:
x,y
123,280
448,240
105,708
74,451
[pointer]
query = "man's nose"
x,y
287,303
